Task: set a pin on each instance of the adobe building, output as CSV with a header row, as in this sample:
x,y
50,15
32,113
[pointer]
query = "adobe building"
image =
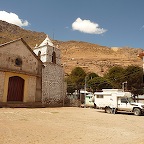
x,y
27,79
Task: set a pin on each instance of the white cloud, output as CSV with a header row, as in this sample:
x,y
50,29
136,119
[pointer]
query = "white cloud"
x,y
86,26
13,19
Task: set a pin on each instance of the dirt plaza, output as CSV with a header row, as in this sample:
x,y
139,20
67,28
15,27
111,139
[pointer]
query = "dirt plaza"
x,y
69,125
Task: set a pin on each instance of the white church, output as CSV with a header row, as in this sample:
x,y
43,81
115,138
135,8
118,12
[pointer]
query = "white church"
x,y
31,76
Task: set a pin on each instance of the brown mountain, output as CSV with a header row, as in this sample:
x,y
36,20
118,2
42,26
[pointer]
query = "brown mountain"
x,y
96,58
10,32
91,57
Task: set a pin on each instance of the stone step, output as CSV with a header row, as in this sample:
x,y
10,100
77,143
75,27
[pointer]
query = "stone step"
x,y
21,104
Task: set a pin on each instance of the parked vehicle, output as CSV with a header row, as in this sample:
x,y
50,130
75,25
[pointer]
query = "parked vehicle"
x,y
113,100
86,99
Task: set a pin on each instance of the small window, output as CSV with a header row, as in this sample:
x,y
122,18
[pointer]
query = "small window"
x,y
99,96
39,54
18,62
123,100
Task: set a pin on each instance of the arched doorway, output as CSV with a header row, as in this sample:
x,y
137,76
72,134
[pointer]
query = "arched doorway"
x,y
54,57
15,89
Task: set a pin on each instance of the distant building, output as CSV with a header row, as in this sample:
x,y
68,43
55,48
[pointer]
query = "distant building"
x,y
28,77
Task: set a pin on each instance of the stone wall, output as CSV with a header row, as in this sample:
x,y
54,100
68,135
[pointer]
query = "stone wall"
x,y
53,85
38,95
2,78
49,54
31,89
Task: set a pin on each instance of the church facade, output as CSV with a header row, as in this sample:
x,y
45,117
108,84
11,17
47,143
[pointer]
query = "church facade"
x,y
30,77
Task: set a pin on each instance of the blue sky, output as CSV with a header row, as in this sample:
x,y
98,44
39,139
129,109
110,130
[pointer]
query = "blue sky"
x,y
112,23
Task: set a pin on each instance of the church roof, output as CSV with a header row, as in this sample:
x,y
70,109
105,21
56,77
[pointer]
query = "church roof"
x,y
46,41
27,46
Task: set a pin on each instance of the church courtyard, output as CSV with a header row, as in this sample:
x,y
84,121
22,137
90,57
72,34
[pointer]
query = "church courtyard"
x,y
69,125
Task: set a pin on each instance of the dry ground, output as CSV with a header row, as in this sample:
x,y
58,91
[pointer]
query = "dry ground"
x,y
69,125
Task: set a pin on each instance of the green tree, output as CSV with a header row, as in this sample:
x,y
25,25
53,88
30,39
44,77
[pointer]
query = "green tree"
x,y
134,78
99,83
91,75
76,79
115,76
88,79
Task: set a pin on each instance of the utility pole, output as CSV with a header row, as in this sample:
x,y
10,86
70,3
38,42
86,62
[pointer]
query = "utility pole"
x,y
85,90
123,85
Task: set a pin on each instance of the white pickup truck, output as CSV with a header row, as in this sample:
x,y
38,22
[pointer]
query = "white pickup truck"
x,y
113,100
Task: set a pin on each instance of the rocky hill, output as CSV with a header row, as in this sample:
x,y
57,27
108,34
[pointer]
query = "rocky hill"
x,y
96,58
91,57
10,32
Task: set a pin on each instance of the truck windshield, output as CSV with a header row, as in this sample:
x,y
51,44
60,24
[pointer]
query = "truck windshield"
x,y
130,100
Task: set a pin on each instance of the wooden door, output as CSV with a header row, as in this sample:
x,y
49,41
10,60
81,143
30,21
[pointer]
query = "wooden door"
x,y
15,89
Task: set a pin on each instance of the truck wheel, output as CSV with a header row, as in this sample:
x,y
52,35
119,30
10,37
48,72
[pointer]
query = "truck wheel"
x,y
94,106
108,110
114,111
137,111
